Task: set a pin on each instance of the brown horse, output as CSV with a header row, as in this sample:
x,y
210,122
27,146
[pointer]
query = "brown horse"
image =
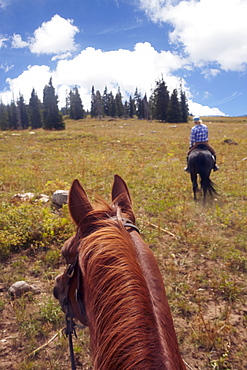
x,y
113,285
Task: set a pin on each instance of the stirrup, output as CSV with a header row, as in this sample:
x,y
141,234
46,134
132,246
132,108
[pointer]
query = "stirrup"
x,y
186,169
215,168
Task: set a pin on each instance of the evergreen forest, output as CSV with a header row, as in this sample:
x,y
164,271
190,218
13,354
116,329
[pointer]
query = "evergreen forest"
x,y
161,105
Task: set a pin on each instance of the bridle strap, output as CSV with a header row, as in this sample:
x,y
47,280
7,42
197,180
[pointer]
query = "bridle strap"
x,y
126,223
70,325
71,351
70,329
132,226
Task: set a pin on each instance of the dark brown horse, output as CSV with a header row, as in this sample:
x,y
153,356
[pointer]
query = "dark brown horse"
x,y
113,285
201,162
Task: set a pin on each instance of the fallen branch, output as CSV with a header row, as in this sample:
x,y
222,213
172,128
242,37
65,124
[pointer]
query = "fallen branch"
x,y
187,365
160,228
45,344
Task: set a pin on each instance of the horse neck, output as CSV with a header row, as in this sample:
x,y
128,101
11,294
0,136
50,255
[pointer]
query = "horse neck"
x,y
126,330
160,304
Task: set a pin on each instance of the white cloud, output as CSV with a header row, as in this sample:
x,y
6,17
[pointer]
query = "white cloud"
x,y
96,67
197,109
210,31
17,42
3,39
54,37
3,4
207,95
6,67
128,69
34,77
61,56
211,72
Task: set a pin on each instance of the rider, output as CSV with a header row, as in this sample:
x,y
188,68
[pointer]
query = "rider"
x,y
199,135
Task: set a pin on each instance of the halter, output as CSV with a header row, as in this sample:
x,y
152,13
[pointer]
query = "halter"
x,y
70,324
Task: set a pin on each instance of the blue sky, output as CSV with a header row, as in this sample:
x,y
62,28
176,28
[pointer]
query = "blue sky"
x,y
127,43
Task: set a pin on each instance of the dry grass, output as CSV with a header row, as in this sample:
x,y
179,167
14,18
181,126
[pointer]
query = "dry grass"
x,y
202,251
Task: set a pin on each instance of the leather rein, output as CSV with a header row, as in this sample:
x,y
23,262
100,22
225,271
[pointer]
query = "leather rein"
x,y
70,324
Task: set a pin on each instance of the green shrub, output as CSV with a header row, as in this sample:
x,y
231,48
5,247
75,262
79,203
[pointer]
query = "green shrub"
x,y
31,225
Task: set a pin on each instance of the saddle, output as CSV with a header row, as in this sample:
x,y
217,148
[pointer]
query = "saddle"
x,y
201,146
204,147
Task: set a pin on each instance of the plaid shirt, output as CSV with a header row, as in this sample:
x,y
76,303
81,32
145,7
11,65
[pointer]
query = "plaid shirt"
x,y
198,134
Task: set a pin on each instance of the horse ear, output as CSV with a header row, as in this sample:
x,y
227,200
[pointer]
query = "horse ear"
x,y
121,195
79,204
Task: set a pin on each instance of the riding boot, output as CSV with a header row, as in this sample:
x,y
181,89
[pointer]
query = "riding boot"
x,y
215,167
187,168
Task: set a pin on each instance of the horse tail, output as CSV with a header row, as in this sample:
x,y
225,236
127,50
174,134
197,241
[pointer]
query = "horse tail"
x,y
207,185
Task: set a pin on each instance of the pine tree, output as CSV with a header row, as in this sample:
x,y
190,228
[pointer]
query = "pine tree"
x,y
126,109
184,107
137,100
112,105
35,113
4,118
132,110
13,119
173,111
160,100
76,107
106,102
53,119
22,111
98,105
145,107
65,110
93,99
119,104
151,106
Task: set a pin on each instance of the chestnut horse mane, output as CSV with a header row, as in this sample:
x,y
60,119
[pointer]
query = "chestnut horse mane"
x,y
117,299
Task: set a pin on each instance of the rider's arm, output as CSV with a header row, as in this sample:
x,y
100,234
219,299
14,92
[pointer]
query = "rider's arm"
x,y
192,138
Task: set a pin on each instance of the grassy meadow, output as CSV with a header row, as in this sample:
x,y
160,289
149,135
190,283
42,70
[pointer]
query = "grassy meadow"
x,y
201,250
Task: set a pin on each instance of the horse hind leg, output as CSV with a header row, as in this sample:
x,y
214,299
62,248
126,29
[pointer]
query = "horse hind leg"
x,y
194,185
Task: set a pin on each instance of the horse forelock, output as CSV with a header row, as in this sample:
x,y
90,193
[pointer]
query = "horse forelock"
x,y
99,216
119,309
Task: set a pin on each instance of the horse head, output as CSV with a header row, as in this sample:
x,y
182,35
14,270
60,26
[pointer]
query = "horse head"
x,y
69,285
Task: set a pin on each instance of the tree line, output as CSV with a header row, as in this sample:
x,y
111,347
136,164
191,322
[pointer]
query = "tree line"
x,y
19,116
160,105
46,114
